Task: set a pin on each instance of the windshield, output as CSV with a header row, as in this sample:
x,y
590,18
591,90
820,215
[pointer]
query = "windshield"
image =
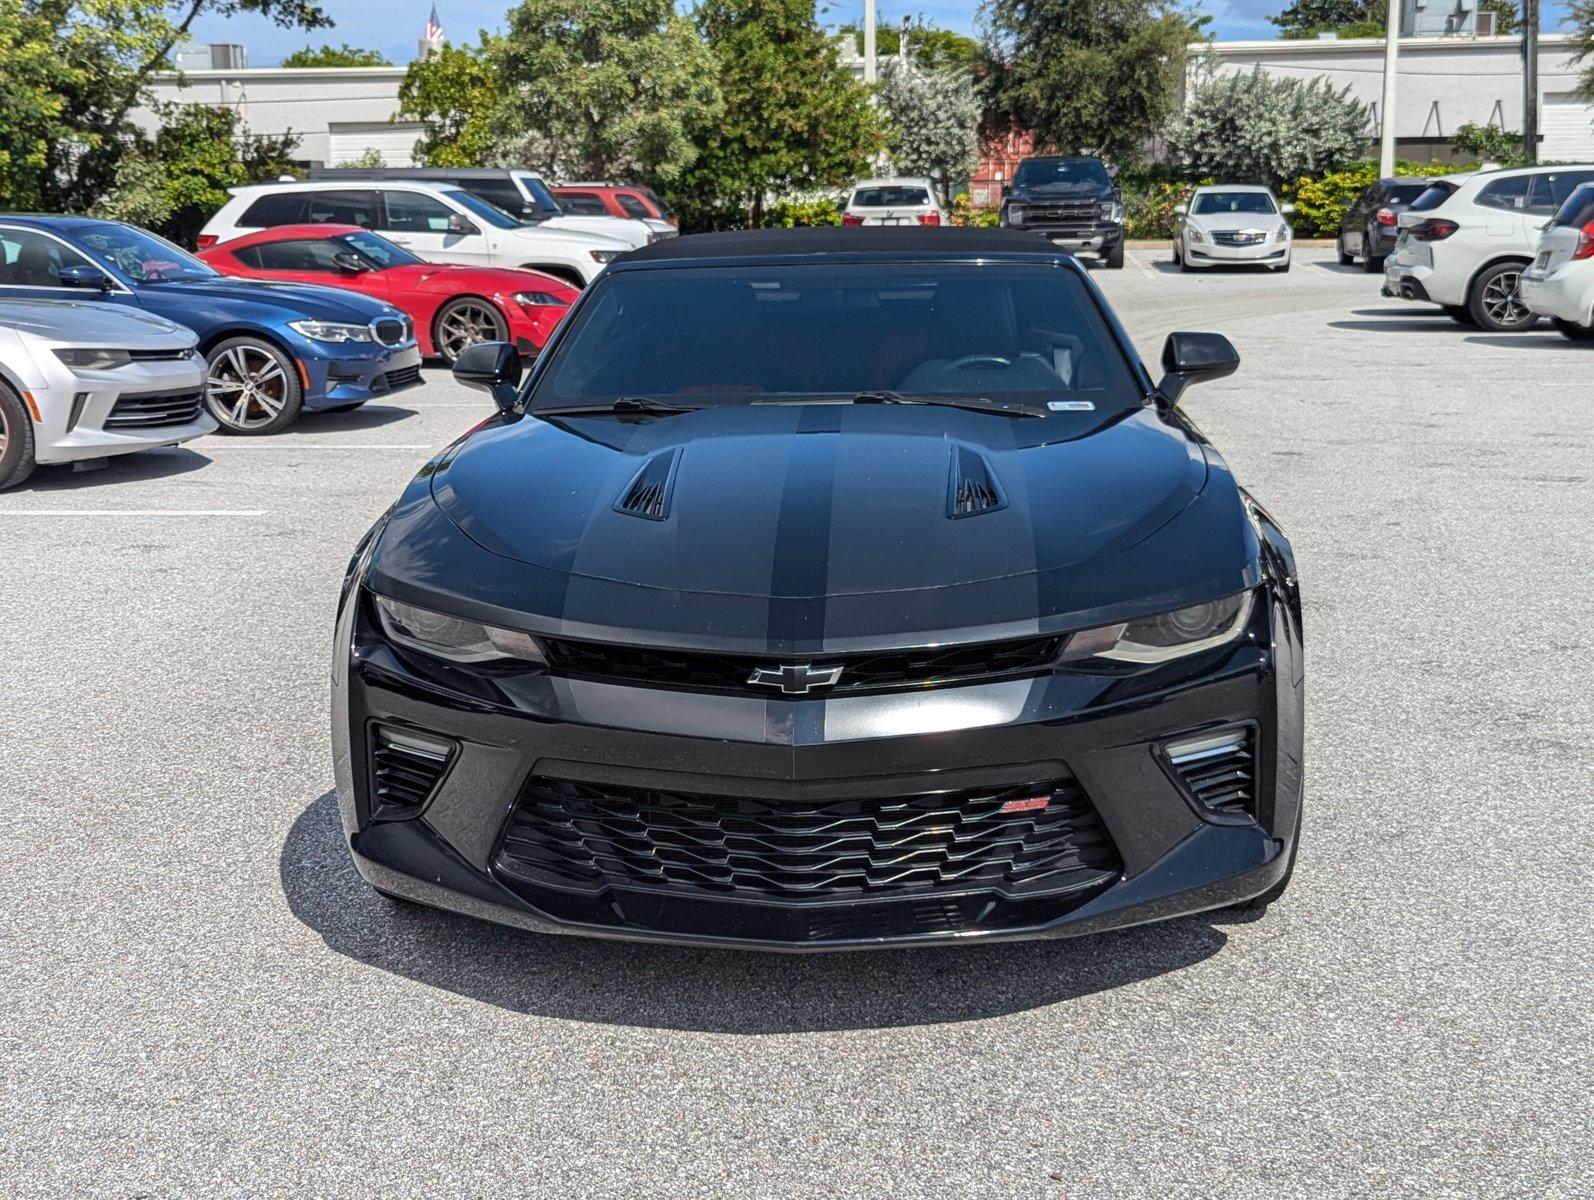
x,y
379,250
1211,203
744,335
490,213
141,256
1433,196
1045,172
540,195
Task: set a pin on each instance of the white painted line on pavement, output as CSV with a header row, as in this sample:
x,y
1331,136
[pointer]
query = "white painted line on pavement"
x,y
1134,257
210,447
132,512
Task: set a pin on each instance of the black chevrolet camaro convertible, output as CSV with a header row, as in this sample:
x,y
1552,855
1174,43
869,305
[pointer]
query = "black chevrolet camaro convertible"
x,y
826,589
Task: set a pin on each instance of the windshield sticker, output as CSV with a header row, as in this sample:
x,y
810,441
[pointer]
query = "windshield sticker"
x,y
1071,405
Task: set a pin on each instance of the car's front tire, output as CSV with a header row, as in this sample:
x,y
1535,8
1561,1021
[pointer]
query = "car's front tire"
x,y
252,386
463,322
1495,300
16,439
1346,258
1372,264
1571,329
1114,258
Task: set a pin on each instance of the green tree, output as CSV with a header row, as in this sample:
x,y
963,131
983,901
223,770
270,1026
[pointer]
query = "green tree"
x,y
606,88
794,120
1260,128
1098,76
933,115
1582,21
1369,18
1488,143
75,69
336,56
458,98
174,181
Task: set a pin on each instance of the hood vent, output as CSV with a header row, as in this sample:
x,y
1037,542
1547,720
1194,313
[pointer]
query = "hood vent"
x,y
972,488
648,493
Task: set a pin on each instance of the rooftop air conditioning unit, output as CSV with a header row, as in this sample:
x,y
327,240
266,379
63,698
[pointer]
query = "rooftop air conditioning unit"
x,y
227,56
1483,23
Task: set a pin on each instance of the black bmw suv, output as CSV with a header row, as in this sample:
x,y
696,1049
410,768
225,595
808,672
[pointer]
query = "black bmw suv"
x,y
826,588
1071,201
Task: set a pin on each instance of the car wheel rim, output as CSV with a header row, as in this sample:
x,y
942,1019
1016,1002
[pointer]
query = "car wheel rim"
x,y
1502,300
4,434
246,387
463,326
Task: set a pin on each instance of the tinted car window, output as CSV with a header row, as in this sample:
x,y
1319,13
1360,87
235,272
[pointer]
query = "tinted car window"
x,y
139,254
1579,207
585,204
1510,194
885,197
659,207
343,208
416,212
281,208
30,259
1403,193
541,197
1042,172
751,334
308,254
1550,191
1233,202
631,206
489,213
378,250
500,192
1433,196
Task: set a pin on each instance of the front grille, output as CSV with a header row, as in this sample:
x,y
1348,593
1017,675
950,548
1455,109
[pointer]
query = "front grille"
x,y
704,671
399,377
1077,217
391,331
178,355
1220,770
1039,837
155,410
405,769
1238,239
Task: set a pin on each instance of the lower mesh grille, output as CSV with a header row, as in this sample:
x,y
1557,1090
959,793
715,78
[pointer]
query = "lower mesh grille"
x,y
1220,770
1041,837
400,377
155,410
405,770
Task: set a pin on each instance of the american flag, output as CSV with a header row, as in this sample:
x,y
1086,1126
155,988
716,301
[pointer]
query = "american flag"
x,y
434,27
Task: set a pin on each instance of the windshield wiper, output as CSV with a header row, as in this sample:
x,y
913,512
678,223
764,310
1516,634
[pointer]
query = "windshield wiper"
x,y
625,406
972,403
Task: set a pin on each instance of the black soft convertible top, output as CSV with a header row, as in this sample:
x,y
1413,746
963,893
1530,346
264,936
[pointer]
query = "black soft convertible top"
x,y
878,239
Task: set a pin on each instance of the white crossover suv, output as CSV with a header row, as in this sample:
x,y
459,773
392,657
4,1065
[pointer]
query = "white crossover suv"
x,y
893,202
1232,225
1560,283
439,222
1465,241
82,380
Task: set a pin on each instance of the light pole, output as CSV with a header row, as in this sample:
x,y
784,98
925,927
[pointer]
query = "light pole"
x,y
1530,79
1386,110
870,65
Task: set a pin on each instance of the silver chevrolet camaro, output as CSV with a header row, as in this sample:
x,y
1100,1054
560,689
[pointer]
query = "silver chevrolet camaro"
x,y
81,381
1230,225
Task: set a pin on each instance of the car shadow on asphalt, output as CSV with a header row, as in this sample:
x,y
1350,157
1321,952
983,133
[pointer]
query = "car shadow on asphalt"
x,y
368,416
160,463
718,991
1535,339
1401,324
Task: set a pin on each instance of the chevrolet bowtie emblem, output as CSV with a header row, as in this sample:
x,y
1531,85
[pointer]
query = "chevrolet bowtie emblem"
x,y
796,679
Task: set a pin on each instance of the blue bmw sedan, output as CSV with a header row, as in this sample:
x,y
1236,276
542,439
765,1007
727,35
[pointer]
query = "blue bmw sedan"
x,y
274,350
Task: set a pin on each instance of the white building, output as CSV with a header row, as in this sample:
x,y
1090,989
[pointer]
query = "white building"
x,y
1444,82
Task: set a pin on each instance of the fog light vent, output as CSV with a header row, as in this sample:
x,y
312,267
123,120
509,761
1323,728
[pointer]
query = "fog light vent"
x,y
406,769
1219,769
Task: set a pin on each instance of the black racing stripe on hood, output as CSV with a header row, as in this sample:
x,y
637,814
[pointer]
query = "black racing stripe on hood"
x,y
800,569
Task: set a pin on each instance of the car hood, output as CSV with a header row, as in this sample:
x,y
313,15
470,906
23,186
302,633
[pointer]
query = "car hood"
x,y
452,279
632,233
1237,222
575,240
93,324
812,527
1060,191
299,299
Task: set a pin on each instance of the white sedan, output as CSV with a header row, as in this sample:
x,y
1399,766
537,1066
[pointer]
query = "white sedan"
x,y
81,381
1560,283
1232,225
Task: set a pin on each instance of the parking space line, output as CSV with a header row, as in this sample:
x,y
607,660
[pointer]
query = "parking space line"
x,y
209,447
1140,265
132,512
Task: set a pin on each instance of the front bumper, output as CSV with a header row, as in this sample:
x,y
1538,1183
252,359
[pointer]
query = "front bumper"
x,y
1096,239
1168,854
1269,253
351,372
1566,293
99,414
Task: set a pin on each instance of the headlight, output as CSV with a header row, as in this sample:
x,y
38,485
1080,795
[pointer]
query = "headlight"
x,y
604,256
94,360
539,299
332,331
1194,234
1015,214
1283,232
1111,210
454,638
1167,635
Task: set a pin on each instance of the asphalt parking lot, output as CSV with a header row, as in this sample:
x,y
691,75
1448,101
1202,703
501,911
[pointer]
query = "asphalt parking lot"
x,y
201,998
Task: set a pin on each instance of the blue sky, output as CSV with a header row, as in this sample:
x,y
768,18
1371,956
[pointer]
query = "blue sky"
x,y
395,27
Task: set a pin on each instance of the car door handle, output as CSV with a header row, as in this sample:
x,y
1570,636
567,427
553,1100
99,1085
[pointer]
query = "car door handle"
x,y
397,241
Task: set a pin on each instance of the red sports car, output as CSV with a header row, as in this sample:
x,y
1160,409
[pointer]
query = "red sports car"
x,y
452,306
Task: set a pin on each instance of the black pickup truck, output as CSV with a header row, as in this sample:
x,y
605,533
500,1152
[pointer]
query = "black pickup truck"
x,y
1071,201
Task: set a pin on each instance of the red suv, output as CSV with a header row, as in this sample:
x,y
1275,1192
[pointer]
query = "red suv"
x,y
614,200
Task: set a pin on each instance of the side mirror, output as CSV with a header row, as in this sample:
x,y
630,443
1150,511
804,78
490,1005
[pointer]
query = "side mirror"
x,y
1181,209
458,224
1287,209
91,278
349,261
1193,358
1007,190
494,366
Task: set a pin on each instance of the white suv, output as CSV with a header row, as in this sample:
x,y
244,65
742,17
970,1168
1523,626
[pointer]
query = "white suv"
x,y
893,202
1465,241
437,222
1560,283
